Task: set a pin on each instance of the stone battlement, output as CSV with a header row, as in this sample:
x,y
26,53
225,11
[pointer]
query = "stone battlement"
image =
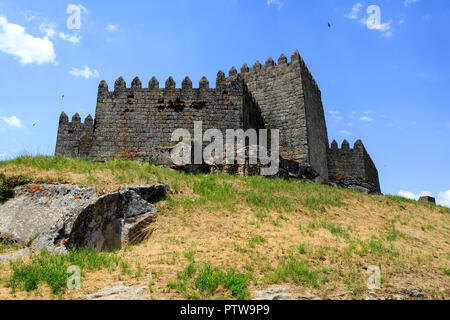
x,y
136,123
352,166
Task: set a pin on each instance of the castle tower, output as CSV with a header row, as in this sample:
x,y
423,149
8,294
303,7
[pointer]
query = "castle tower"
x,y
291,101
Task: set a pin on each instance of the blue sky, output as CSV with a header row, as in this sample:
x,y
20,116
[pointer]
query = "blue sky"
x,y
386,83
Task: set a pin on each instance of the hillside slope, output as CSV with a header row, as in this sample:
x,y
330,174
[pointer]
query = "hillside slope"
x,y
225,237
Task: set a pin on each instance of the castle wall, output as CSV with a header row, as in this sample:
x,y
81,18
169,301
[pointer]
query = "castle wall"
x,y
74,138
352,167
136,123
315,124
290,100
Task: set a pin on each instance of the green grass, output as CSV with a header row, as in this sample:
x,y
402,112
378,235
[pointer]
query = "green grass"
x,y
7,186
202,281
297,271
255,241
50,269
334,229
226,192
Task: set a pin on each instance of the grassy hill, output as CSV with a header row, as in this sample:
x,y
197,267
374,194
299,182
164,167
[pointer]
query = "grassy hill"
x,y
225,237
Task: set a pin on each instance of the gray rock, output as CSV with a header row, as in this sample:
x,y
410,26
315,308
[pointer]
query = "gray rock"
x,y
121,291
396,297
16,255
427,199
36,208
113,221
150,193
54,217
273,294
413,292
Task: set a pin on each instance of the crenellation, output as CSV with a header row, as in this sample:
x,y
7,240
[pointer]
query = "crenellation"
x,y
136,84
186,84
233,72
220,80
270,62
345,146
245,69
170,84
204,83
153,84
76,118
282,59
119,85
257,66
63,118
88,121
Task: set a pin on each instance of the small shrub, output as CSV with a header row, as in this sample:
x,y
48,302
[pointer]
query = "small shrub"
x,y
7,186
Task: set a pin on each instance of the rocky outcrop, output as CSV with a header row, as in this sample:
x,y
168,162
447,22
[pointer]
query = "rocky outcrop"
x,y
273,294
121,291
34,209
57,217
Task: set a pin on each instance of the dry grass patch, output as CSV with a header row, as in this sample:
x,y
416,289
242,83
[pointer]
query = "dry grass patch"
x,y
263,232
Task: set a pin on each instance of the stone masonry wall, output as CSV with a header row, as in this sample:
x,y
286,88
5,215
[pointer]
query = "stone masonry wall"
x,y
74,138
290,101
136,123
352,167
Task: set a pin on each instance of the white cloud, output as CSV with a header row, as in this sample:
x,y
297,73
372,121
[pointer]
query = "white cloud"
x,y
385,28
278,3
28,49
335,114
70,38
3,156
366,119
77,7
369,22
12,121
49,29
354,13
112,27
444,198
410,195
86,73
345,133
407,3
402,21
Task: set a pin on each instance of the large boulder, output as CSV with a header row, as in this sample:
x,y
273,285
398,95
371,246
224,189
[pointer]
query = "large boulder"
x,y
55,217
113,221
35,209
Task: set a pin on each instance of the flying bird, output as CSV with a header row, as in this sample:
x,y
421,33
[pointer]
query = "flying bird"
x,y
329,25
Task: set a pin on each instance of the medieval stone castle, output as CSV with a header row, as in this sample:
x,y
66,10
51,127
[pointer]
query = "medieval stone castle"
x,y
136,123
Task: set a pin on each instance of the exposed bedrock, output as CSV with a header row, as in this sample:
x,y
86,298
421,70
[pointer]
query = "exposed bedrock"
x,y
57,217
